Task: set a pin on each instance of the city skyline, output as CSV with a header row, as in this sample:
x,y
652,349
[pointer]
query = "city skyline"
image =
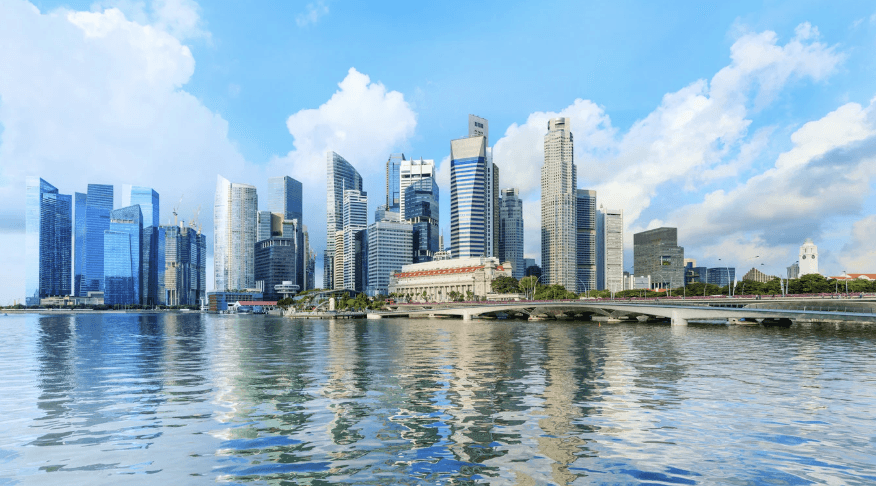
x,y
789,86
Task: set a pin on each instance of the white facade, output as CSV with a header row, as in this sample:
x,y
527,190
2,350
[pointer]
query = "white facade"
x,y
389,249
439,279
235,214
411,171
559,181
808,258
610,249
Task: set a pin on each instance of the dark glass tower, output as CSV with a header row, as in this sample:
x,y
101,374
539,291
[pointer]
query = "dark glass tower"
x,y
421,211
98,204
48,238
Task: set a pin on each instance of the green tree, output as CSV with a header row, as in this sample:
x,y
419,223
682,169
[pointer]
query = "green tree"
x,y
505,285
528,285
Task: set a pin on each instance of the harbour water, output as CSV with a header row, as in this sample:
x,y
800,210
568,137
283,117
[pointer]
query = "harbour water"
x,y
196,399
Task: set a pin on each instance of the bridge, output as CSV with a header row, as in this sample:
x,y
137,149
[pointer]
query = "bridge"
x,y
777,312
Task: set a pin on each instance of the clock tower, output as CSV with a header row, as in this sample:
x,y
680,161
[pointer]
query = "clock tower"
x,y
808,258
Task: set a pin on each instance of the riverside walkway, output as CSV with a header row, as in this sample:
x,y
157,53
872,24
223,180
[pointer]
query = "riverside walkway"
x,y
779,311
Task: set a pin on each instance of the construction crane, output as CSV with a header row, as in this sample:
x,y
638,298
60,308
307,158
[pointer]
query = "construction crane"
x,y
194,221
176,208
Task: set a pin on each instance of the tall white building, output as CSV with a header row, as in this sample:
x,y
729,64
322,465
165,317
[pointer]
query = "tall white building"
x,y
235,211
559,181
355,222
808,258
610,249
411,171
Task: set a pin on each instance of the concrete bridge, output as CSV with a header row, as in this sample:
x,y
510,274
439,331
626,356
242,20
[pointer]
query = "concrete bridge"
x,y
680,312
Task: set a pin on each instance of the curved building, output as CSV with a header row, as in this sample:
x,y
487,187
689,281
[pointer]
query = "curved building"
x,y
235,213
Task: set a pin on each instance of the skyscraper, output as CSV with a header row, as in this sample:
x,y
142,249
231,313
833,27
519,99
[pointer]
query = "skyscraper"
x,y
341,175
285,197
79,219
123,257
389,247
472,193
410,172
511,231
393,179
656,254
354,245
421,211
98,204
184,280
234,235
152,258
48,233
559,178
610,249
585,228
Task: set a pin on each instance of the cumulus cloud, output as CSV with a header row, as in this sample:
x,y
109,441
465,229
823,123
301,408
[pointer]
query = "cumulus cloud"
x,y
94,97
312,14
859,254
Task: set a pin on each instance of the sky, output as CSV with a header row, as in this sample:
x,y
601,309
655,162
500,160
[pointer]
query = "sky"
x,y
750,126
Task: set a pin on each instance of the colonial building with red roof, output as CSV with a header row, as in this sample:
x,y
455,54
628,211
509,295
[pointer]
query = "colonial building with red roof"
x,y
439,278
855,276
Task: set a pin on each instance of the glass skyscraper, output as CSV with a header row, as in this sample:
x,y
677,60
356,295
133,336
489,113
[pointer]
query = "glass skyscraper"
x,y
48,238
389,247
184,281
585,227
341,176
79,212
147,199
284,197
511,231
469,193
152,259
123,257
98,204
421,211
235,212
393,180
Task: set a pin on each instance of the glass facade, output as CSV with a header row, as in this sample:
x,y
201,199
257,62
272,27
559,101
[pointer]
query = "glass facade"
x,y
79,205
98,204
511,232
721,276
147,199
284,197
585,227
469,205
656,254
421,211
122,256
235,227
185,270
275,263
389,247
393,179
48,241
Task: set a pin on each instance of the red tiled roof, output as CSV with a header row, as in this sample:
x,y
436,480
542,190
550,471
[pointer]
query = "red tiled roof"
x,y
443,271
257,302
852,276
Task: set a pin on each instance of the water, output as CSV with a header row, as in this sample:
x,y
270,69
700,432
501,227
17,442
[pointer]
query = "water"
x,y
193,399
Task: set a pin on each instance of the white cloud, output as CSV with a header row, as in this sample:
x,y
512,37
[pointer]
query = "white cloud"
x,y
859,254
93,97
312,15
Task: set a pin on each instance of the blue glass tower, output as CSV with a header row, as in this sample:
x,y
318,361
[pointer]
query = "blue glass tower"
x,y
147,199
122,256
585,240
469,205
284,197
98,204
48,233
393,182
79,204
421,210
152,259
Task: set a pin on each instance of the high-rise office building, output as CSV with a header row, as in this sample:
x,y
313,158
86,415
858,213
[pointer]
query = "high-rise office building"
x,y
122,249
473,181
495,210
610,249
234,235
265,221
410,172
152,259
185,272
275,263
721,276
79,219
354,244
559,262
421,211
511,231
48,237
389,247
393,183
585,228
341,176
98,204
656,254
285,197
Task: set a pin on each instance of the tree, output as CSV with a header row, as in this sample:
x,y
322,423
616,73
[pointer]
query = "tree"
x,y
469,295
505,285
528,286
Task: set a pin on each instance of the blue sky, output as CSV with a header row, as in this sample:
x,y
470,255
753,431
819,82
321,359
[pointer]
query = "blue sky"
x,y
684,114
